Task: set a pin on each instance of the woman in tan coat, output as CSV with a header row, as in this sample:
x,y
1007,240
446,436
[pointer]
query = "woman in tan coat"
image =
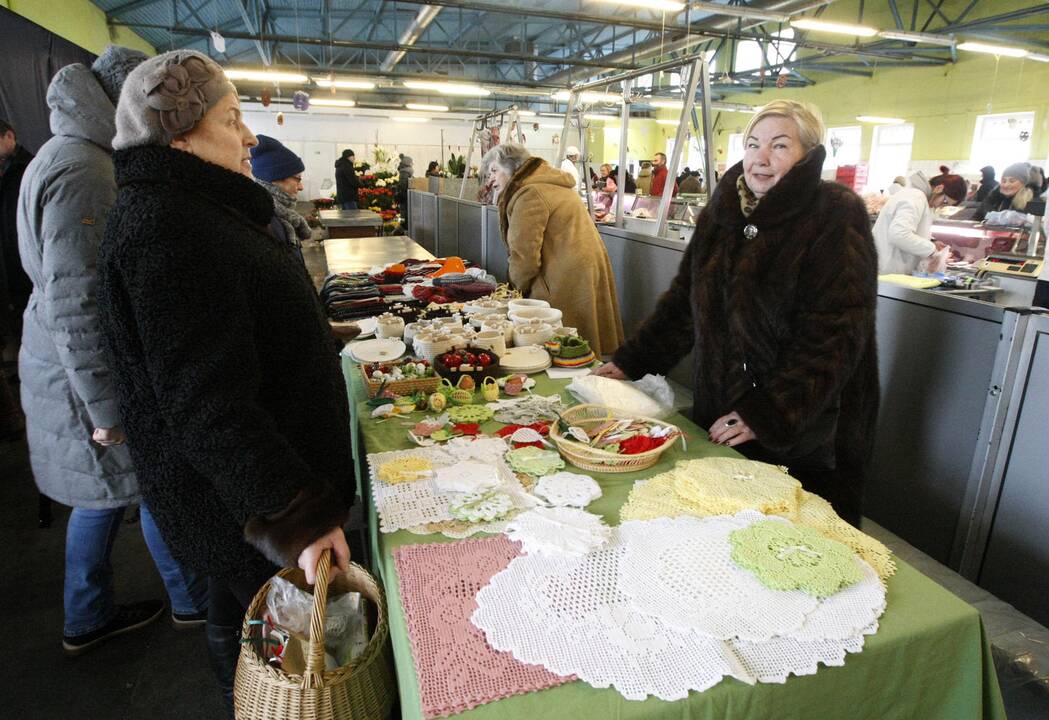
x,y
556,253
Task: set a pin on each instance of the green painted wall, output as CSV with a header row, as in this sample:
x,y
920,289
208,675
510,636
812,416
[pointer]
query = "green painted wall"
x,y
942,102
78,21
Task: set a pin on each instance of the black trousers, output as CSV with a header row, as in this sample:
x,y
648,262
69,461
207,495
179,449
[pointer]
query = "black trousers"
x,y
842,488
1041,294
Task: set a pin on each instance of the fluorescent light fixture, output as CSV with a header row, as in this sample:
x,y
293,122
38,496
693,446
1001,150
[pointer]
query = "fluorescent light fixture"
x,y
833,27
426,108
739,11
589,97
332,102
446,88
993,49
879,120
526,113
735,107
918,37
1038,57
344,83
670,5
671,104
265,76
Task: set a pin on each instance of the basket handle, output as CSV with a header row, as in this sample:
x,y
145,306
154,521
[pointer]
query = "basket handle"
x,y
314,675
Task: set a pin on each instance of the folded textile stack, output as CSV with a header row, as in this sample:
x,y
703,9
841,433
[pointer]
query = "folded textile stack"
x,y
455,278
348,296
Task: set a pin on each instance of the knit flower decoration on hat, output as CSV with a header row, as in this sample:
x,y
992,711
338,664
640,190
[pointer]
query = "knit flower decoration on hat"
x,y
784,556
175,92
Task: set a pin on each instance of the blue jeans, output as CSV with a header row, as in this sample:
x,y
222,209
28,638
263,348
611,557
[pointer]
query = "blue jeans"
x,y
88,591
349,205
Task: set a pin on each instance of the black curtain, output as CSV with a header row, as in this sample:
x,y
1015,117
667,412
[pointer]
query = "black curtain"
x,y
31,57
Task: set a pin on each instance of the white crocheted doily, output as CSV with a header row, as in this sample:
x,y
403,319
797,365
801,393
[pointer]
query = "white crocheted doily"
x,y
681,570
468,476
568,615
558,531
413,504
568,488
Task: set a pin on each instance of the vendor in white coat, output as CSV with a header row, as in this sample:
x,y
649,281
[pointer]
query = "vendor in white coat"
x,y
568,165
903,232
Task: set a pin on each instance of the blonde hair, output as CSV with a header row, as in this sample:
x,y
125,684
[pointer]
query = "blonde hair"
x,y
1023,196
807,117
606,165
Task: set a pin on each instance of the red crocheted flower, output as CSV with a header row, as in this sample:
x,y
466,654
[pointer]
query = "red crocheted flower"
x,y
639,444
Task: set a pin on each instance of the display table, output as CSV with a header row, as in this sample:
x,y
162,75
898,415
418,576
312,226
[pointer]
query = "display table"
x,y
360,254
351,223
930,658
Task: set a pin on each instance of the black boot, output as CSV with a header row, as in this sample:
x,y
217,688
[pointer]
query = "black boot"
x,y
223,650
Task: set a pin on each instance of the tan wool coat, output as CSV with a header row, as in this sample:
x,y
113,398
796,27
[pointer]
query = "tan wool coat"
x,y
557,255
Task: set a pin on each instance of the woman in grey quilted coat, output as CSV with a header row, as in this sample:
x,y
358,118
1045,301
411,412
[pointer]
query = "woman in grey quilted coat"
x,y
75,442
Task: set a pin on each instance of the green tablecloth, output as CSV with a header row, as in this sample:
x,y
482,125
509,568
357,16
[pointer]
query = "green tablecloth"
x,y
930,658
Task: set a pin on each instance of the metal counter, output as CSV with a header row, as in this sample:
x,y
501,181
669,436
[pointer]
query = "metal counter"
x,y
351,223
345,255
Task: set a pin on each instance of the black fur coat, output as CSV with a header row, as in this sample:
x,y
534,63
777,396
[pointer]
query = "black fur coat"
x,y
781,324
231,395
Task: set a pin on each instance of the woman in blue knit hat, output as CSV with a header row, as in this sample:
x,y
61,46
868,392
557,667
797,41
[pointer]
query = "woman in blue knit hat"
x,y
279,170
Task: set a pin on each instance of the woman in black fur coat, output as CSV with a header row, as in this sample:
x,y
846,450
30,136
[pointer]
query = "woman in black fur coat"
x,y
231,393
776,297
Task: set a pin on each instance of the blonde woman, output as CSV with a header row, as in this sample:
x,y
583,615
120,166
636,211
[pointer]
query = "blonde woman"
x,y
775,297
1012,192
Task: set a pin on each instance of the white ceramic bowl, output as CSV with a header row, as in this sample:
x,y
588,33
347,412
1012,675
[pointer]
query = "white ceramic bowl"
x,y
522,303
532,334
548,315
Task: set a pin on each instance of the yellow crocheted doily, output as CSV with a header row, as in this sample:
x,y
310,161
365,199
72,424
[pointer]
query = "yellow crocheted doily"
x,y
724,486
407,469
657,497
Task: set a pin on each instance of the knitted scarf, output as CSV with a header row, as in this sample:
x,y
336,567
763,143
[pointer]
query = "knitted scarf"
x,y
748,201
295,225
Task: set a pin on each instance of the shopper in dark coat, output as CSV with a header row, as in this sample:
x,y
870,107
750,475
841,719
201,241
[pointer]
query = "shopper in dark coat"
x,y
987,183
231,394
347,184
14,283
777,302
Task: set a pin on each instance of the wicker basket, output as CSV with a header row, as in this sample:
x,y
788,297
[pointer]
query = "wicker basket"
x,y
595,459
362,690
399,387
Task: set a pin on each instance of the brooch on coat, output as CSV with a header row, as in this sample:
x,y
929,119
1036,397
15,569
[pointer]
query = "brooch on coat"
x,y
750,232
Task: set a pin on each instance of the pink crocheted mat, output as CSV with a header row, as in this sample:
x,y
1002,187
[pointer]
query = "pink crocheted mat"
x,y
456,668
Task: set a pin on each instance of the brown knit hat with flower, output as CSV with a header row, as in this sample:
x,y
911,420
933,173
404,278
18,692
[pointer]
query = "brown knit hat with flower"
x,y
166,96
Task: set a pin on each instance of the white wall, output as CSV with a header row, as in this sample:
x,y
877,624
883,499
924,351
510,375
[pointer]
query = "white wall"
x,y
319,136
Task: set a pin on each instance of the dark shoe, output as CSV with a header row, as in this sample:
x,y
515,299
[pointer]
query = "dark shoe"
x,y
129,617
189,621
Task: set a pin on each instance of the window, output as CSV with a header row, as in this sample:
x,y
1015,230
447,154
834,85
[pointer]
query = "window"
x,y
843,146
1000,140
735,149
778,51
890,154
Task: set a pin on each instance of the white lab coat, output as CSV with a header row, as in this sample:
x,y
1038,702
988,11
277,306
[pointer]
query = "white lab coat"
x,y
569,167
903,232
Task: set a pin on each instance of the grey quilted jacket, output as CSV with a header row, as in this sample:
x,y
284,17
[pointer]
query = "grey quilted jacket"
x,y
67,389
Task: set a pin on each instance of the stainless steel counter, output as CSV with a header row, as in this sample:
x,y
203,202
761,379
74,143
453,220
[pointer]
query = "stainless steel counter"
x,y
349,218
361,254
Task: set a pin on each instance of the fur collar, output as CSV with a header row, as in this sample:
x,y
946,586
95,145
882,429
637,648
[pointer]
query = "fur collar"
x,y
186,173
527,168
791,195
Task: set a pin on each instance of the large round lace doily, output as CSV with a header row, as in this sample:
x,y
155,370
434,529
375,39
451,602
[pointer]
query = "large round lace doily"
x,y
568,488
569,616
728,485
681,570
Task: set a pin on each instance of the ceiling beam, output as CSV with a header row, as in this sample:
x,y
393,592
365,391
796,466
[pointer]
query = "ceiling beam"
x,y
243,10
360,44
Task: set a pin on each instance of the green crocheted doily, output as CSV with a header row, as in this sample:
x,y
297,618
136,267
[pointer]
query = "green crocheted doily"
x,y
470,414
534,461
481,507
791,557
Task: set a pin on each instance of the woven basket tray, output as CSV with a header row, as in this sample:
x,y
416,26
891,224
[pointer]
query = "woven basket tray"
x,y
595,459
399,387
362,690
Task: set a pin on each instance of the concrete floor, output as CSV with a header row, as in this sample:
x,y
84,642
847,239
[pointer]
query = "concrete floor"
x,y
155,673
